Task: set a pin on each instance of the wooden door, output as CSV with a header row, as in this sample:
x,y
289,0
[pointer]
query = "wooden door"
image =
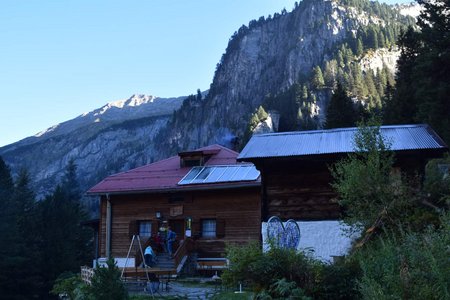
x,y
178,227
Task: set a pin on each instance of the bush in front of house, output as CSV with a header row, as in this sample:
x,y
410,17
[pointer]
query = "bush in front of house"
x,y
106,283
70,286
410,265
339,281
273,273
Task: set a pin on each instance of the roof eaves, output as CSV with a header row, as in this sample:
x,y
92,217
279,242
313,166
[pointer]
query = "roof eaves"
x,y
202,187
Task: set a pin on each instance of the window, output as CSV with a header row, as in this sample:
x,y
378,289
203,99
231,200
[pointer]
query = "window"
x,y
145,228
192,162
209,228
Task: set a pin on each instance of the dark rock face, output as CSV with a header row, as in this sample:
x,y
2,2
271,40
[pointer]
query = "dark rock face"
x,y
267,57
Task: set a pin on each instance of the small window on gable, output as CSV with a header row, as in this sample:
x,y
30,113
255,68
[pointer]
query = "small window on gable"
x,y
209,228
145,228
193,162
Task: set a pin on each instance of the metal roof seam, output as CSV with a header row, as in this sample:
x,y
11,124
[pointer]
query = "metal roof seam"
x,y
318,142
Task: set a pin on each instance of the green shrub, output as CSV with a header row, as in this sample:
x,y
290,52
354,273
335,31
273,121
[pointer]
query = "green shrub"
x,y
339,280
409,265
284,289
261,270
70,284
106,283
437,181
241,257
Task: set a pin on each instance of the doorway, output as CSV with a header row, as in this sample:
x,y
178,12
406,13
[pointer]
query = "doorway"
x,y
178,227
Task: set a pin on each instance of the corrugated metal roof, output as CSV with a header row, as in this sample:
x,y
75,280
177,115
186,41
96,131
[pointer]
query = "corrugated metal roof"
x,y
340,140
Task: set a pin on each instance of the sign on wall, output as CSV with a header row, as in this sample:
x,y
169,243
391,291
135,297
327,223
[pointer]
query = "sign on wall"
x,y
176,211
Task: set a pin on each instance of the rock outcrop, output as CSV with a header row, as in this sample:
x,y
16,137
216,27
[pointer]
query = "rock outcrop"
x,y
266,57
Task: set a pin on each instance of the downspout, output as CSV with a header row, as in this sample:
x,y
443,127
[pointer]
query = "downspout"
x,y
108,226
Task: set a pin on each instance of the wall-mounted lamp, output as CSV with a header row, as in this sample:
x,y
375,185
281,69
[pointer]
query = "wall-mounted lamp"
x,y
158,215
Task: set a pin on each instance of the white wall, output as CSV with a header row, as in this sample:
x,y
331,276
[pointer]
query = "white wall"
x,y
326,238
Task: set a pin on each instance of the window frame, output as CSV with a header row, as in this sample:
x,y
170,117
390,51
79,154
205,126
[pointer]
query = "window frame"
x,y
142,222
212,234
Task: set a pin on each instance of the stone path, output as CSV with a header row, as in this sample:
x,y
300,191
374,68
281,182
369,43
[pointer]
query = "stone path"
x,y
189,291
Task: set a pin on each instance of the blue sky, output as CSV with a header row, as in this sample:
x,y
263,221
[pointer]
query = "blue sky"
x,y
59,59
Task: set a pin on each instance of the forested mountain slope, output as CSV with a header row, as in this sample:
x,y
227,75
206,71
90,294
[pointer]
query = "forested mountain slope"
x,y
289,62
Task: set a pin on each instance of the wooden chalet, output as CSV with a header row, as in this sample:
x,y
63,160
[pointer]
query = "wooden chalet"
x,y
295,172
205,195
212,196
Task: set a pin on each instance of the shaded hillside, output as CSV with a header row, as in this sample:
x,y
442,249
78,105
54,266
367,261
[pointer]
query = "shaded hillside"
x,y
116,137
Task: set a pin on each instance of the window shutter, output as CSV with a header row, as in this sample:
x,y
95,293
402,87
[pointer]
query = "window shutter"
x,y
196,228
133,228
220,228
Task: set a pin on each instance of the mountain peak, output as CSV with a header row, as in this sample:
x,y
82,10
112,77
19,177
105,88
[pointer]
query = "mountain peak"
x,y
134,101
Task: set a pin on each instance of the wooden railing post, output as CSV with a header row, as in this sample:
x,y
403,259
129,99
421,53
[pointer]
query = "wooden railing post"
x,y
182,250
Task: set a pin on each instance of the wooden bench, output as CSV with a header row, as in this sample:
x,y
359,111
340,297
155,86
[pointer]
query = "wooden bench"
x,y
212,264
139,274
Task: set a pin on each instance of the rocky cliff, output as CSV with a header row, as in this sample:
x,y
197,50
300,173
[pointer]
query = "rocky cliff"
x,y
269,56
113,138
266,57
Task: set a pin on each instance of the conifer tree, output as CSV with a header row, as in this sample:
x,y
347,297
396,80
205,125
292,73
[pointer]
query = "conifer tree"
x,y
199,95
317,78
359,47
423,73
340,111
106,283
17,237
65,244
26,271
9,253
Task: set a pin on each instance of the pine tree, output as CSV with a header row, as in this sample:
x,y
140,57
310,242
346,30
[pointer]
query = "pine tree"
x,y
26,271
9,252
330,73
371,88
423,72
340,111
317,78
106,283
432,72
64,243
381,39
199,95
359,47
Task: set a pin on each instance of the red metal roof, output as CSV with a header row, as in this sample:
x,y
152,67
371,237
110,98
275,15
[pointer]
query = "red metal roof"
x,y
164,175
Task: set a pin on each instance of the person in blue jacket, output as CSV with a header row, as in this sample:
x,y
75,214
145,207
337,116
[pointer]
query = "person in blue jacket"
x,y
149,256
171,235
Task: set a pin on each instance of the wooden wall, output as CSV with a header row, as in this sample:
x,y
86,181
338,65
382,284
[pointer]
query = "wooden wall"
x,y
300,188
299,191
237,210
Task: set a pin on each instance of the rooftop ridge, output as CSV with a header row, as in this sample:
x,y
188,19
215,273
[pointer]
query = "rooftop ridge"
x,y
337,130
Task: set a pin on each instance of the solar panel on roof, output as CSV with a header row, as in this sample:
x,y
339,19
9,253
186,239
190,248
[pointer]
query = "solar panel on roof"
x,y
216,174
